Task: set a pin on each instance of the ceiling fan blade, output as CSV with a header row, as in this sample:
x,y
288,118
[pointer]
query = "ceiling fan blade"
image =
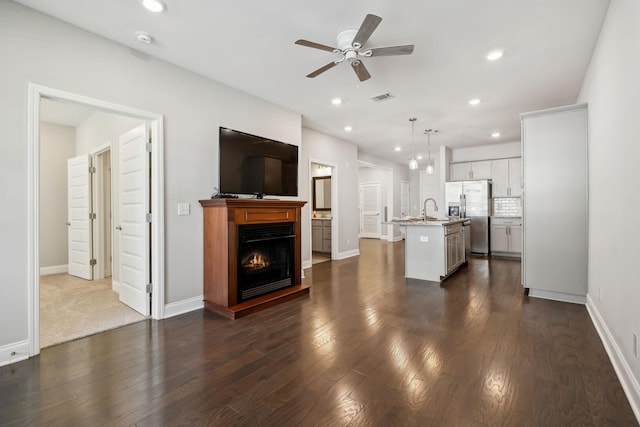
x,y
360,70
367,28
321,70
315,45
406,49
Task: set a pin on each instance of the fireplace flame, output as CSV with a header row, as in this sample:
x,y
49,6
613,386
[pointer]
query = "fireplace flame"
x,y
256,261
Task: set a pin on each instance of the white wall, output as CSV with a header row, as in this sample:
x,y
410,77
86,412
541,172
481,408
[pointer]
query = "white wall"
x,y
612,89
343,156
100,128
61,56
57,144
486,152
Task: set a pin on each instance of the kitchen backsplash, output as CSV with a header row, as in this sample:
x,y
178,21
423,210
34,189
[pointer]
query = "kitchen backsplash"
x,y
507,206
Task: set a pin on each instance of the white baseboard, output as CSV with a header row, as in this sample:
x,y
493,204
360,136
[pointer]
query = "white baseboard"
x,y
623,370
14,352
347,254
184,306
397,238
54,269
557,296
306,264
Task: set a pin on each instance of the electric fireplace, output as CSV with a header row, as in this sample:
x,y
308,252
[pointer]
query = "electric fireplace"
x,y
252,254
265,258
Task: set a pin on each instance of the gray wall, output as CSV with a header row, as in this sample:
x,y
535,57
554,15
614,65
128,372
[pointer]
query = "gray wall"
x,y
344,157
57,144
611,88
65,57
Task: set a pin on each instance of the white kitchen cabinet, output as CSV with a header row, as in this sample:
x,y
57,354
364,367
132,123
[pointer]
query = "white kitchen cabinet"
x,y
515,177
470,170
555,203
321,235
505,176
506,236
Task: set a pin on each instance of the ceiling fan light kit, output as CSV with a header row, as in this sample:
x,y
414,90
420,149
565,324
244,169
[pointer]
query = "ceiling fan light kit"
x,y
350,44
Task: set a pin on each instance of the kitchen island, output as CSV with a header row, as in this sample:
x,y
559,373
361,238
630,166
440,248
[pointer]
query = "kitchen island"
x,y
434,249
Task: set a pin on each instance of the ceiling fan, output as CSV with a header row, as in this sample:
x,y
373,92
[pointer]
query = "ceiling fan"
x,y
350,48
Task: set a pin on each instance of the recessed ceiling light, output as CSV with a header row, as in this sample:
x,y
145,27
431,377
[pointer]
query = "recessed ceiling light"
x,y
494,55
397,149
419,157
336,101
155,6
144,37
474,101
348,128
495,135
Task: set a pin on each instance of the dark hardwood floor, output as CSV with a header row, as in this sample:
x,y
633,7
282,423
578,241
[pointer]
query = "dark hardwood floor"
x,y
367,348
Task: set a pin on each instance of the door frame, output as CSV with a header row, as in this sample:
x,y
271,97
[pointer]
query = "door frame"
x,y
334,205
97,184
156,124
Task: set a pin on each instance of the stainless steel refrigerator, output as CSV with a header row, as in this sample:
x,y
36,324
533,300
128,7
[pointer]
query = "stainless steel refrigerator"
x,y
474,201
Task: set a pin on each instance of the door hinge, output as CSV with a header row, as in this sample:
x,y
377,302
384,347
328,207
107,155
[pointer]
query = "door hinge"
x,y
149,288
93,262
92,215
148,147
92,169
148,217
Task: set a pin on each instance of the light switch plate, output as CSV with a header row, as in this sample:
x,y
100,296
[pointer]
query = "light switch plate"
x,y
184,209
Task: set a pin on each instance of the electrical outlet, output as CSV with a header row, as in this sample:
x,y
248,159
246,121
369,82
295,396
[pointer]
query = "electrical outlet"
x,y
424,238
348,241
635,345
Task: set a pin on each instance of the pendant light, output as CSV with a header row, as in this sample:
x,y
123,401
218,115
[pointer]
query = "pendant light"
x,y
413,163
430,167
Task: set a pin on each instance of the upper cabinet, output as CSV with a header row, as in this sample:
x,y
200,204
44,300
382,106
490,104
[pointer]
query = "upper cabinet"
x,y
470,170
506,177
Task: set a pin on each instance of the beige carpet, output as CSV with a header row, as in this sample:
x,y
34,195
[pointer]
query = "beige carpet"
x,y
72,308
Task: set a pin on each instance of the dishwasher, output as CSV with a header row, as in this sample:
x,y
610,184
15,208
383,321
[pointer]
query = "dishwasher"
x,y
466,233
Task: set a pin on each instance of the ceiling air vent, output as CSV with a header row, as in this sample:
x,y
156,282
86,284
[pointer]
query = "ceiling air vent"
x,y
382,97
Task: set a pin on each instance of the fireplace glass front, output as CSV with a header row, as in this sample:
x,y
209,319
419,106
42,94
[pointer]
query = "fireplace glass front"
x,y
265,258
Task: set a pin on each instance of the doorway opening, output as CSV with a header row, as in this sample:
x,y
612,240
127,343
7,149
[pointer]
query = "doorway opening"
x,y
142,233
324,212
376,204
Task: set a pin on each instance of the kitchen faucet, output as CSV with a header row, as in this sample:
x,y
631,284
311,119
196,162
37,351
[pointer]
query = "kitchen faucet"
x,y
424,207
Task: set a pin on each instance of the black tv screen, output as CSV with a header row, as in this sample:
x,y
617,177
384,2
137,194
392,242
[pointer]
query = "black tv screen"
x,y
252,164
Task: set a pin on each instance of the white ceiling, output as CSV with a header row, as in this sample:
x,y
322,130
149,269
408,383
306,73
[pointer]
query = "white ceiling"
x,y
249,45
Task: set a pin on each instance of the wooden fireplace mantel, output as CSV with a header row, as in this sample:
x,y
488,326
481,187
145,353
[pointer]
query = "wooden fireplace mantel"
x,y
221,220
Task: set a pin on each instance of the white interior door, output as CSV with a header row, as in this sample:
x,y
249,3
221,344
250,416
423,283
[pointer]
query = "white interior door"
x,y
79,220
132,229
370,210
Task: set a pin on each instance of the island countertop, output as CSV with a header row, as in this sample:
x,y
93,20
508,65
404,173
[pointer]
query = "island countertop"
x,y
429,222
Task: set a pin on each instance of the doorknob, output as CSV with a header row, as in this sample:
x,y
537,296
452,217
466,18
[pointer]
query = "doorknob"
x,y
118,227
68,223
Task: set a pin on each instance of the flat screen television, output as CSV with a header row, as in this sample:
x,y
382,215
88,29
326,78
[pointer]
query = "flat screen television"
x,y
255,165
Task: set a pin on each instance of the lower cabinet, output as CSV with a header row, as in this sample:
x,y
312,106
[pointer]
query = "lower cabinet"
x,y
506,236
454,244
321,235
